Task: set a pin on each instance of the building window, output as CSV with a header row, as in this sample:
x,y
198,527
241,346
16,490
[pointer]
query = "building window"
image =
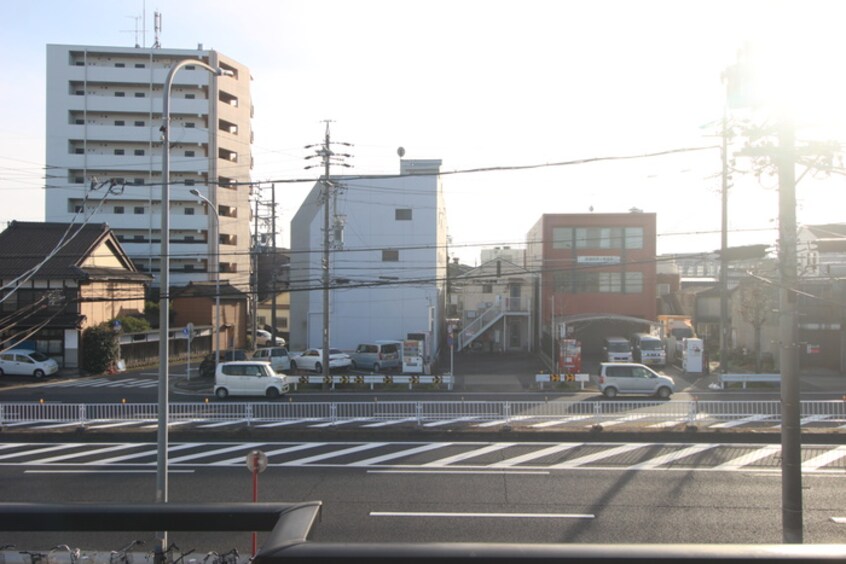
x,y
189,124
140,94
119,151
120,94
119,65
79,151
190,96
189,182
402,214
138,210
562,237
140,66
139,152
390,255
610,282
118,209
189,153
188,267
120,122
634,283
139,181
189,211
190,67
487,288
634,237
140,123
78,180
79,92
79,122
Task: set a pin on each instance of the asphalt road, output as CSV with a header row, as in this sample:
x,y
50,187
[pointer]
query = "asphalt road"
x,y
435,495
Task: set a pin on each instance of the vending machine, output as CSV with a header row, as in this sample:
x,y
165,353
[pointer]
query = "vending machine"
x,y
570,356
693,355
413,356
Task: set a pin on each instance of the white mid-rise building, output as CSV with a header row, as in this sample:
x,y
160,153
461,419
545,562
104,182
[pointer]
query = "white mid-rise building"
x,y
104,118
387,264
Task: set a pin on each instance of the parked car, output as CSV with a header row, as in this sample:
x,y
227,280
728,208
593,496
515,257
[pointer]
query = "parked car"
x,y
631,378
27,363
277,357
248,378
312,359
616,349
207,366
377,356
265,339
648,349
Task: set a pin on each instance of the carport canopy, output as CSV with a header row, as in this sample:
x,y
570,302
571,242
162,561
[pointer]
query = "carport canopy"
x,y
591,329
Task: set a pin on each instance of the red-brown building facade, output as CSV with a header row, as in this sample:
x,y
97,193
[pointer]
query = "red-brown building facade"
x,y
594,264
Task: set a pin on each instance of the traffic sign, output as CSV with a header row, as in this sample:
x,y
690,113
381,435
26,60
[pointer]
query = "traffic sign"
x,y
256,461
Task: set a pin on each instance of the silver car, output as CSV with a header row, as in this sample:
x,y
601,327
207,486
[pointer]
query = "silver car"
x,y
277,357
630,378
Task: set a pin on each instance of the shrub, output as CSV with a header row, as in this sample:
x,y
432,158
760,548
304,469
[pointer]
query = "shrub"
x,y
99,348
131,324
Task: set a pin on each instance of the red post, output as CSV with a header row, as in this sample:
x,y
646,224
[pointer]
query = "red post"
x,y
255,493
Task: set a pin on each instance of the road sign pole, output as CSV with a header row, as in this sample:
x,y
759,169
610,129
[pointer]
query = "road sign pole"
x,y
256,464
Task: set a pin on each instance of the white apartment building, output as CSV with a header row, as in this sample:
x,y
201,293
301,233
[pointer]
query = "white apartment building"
x,y
104,114
387,262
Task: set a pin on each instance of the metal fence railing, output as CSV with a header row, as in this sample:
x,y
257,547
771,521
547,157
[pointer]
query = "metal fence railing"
x,y
538,413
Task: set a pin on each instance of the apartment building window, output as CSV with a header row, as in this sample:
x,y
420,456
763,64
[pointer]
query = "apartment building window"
x,y
119,65
190,67
634,283
487,288
140,123
78,180
79,122
189,153
189,211
188,267
139,181
119,152
140,95
190,96
79,92
79,151
390,255
402,214
139,152
189,124
140,66
189,182
118,209
120,94
634,237
138,210
77,208
120,122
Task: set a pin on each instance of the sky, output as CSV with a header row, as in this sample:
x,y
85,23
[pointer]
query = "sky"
x,y
487,83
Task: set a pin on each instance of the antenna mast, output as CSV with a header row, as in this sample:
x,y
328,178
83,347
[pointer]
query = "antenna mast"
x,y
157,26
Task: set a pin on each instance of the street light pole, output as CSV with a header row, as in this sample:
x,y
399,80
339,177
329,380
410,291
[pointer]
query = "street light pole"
x,y
164,293
211,206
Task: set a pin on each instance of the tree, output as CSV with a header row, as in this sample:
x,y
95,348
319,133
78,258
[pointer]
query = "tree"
x,y
99,348
757,300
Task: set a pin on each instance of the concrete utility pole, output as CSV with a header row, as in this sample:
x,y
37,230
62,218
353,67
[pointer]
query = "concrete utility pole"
x,y
273,286
724,310
254,310
791,440
324,151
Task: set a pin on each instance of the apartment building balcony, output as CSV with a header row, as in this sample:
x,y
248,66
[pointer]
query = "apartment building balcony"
x,y
130,75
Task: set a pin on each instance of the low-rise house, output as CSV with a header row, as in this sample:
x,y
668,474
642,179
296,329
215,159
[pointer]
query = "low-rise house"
x,y
57,279
196,304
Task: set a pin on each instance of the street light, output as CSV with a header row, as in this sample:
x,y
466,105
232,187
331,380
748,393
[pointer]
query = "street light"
x,y
164,291
211,206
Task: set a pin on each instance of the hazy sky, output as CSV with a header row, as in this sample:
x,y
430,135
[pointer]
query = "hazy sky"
x,y
477,84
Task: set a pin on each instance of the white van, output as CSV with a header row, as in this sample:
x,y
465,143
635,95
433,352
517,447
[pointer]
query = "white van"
x,y
248,378
616,349
649,349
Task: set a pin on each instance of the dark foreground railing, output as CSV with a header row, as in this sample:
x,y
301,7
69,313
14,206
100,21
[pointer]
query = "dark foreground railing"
x,y
291,523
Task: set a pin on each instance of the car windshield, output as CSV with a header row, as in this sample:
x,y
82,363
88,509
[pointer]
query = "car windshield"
x,y
502,187
38,357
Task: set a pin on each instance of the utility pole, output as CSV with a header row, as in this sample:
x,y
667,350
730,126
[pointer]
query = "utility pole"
x,y
328,157
255,257
273,287
724,310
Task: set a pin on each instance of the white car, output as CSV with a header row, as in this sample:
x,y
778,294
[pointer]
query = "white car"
x,y
27,363
248,378
312,359
265,339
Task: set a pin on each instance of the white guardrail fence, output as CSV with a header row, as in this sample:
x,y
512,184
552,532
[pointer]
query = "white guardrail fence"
x,y
59,415
373,379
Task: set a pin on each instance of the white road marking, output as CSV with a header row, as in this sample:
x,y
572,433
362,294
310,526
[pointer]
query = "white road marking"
x,y
52,448
242,459
391,422
283,423
115,471
749,458
737,422
839,520
62,457
471,454
823,459
599,455
341,422
573,419
534,455
450,421
400,454
334,454
245,447
483,515
671,457
150,452
459,472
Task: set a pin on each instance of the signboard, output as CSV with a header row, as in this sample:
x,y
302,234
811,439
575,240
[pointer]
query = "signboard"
x,y
588,259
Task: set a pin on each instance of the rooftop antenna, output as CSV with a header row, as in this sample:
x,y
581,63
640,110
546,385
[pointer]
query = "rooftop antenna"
x,y
157,26
135,31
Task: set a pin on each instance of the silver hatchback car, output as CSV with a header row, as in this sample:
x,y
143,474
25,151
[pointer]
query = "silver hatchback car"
x,y
630,378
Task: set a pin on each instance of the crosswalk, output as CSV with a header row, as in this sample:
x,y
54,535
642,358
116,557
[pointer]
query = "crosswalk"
x,y
430,456
138,383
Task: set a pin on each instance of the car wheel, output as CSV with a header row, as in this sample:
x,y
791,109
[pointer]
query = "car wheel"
x,y
272,393
221,393
1,372
293,365
38,373
318,367
664,392
610,393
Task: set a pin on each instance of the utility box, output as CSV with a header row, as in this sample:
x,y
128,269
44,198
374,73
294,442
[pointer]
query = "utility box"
x,y
693,356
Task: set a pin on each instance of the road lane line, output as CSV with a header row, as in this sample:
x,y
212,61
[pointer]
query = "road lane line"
x,y
391,422
470,454
483,515
459,472
40,450
672,456
242,459
737,422
451,421
600,455
53,459
284,423
245,447
749,458
341,422
152,452
574,419
222,424
115,471
534,455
